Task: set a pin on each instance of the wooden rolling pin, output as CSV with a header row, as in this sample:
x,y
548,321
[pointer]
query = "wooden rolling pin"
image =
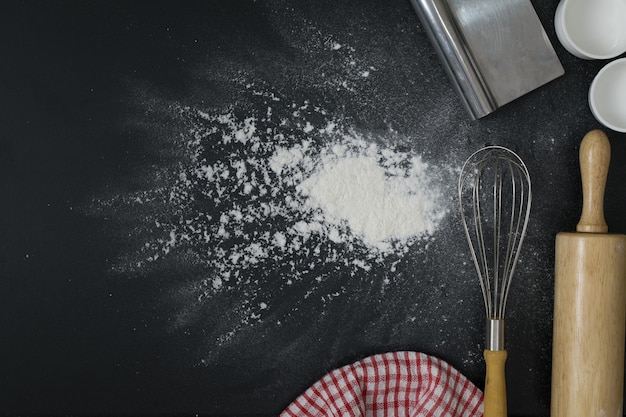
x,y
589,301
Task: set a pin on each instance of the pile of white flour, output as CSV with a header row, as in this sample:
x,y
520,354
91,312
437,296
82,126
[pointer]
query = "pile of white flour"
x,y
316,193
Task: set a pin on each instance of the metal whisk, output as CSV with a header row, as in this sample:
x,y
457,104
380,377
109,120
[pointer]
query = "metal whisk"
x,y
495,198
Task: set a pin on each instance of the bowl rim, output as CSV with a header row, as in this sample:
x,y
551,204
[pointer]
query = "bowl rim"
x,y
592,100
560,27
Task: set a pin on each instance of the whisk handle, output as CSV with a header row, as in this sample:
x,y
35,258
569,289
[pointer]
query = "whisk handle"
x,y
495,384
595,155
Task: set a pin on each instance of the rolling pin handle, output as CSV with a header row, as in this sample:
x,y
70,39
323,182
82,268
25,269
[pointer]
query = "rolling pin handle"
x,y
595,155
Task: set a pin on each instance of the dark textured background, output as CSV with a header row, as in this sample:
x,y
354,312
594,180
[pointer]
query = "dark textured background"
x,y
71,129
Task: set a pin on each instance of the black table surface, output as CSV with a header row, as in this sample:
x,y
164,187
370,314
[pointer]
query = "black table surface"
x,y
102,102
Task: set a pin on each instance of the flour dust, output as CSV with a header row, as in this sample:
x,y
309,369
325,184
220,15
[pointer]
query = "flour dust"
x,y
274,200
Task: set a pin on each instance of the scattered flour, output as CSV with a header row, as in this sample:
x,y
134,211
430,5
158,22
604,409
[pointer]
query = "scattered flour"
x,y
271,195
335,186
274,198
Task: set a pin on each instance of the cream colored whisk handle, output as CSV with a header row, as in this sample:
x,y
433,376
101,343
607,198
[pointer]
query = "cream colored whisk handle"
x,y
495,384
595,156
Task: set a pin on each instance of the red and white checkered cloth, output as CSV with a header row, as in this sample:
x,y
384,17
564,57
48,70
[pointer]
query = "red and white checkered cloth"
x,y
392,384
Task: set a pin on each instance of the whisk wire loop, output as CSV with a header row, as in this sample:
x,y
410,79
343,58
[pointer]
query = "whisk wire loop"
x,y
495,197
482,270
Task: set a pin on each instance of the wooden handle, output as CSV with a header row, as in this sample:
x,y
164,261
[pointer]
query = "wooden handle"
x,y
595,155
495,384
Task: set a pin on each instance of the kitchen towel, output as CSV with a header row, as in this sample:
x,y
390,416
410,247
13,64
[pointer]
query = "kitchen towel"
x,y
392,384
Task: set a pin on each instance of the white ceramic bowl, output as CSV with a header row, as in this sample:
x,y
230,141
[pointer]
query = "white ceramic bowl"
x,y
607,95
592,29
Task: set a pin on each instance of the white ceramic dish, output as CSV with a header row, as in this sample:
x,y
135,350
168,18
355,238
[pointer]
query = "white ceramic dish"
x,y
607,95
592,29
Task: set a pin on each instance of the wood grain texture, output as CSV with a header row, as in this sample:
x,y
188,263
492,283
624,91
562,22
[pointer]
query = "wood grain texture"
x,y
495,384
589,301
589,323
595,155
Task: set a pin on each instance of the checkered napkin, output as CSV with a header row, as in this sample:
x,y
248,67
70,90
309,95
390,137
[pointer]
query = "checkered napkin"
x,y
392,384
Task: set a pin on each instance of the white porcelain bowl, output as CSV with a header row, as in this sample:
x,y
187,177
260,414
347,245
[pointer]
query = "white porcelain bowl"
x,y
607,95
592,29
